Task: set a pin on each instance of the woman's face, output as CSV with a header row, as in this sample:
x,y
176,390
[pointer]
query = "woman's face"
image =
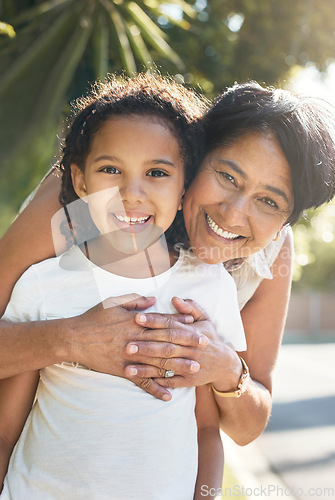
x,y
240,199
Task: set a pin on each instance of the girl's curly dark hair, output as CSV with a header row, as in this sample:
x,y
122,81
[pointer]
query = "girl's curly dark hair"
x,y
146,94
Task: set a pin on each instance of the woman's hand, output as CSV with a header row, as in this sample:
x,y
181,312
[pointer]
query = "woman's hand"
x,y
98,339
174,346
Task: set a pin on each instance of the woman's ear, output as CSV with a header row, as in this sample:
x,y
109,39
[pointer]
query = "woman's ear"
x,y
78,181
278,234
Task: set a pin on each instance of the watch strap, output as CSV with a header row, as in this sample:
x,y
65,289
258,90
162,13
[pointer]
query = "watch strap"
x,y
241,386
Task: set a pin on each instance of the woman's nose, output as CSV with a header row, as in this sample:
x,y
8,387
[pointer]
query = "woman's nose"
x,y
236,210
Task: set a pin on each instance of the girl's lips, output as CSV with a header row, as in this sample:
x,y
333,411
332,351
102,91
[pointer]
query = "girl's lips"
x,y
132,223
132,220
219,231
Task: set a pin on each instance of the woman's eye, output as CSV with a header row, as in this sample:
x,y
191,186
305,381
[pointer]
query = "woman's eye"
x,y
228,177
269,202
110,170
157,173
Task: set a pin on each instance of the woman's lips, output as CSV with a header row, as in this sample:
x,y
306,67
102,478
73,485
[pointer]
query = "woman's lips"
x,y
219,231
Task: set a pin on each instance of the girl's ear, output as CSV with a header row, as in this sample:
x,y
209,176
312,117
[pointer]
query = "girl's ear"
x,y
180,206
78,181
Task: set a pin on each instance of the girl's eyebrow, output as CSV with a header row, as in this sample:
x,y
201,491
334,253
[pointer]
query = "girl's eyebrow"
x,y
156,161
162,160
106,157
238,170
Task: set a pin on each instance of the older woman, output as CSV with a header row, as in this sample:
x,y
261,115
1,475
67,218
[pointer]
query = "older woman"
x,y
269,156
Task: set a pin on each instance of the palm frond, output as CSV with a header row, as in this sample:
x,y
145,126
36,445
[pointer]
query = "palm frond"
x,y
118,25
7,29
33,13
57,40
100,45
154,35
138,45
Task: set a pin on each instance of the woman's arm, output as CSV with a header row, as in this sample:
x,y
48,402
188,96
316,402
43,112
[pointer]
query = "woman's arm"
x,y
264,317
244,418
28,346
16,399
29,239
210,448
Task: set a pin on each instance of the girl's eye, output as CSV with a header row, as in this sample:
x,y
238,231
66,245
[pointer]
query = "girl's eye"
x,y
110,170
157,173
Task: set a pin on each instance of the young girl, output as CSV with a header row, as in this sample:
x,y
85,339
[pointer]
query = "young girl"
x,y
126,159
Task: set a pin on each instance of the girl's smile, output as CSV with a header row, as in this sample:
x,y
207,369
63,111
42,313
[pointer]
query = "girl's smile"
x,y
132,221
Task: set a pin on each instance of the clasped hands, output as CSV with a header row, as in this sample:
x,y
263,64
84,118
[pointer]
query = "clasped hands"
x,y
117,339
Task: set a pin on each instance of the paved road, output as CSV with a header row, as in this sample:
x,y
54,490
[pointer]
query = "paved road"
x,y
295,457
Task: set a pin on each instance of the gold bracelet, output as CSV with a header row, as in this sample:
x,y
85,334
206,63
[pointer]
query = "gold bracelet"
x,y
241,386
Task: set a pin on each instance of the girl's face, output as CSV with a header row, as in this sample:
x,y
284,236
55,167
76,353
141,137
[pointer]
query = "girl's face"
x,y
240,199
133,178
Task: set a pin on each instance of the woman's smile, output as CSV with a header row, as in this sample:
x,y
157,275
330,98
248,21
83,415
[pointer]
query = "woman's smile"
x,y
220,231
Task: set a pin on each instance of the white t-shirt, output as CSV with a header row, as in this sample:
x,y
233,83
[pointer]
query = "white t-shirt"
x,y
96,436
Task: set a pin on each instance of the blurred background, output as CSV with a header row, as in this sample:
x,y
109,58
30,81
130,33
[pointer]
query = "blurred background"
x,y
50,52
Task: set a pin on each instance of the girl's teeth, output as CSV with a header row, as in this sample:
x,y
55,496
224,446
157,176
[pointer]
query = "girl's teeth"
x,y
219,231
132,220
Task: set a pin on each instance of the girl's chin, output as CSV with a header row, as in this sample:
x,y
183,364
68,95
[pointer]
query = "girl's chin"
x,y
130,242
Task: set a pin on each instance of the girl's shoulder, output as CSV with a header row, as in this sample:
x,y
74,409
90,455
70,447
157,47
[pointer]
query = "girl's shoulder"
x,y
26,301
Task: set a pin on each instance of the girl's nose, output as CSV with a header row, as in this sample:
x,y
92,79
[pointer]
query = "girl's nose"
x,y
132,191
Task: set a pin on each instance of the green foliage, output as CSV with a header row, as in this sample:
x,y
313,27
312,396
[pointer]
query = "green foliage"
x,y
239,40
314,243
60,46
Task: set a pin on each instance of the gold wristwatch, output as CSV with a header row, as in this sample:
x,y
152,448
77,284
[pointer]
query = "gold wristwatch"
x,y
241,386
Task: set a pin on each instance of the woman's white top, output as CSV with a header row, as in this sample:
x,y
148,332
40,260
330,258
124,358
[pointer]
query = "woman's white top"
x,y
256,268
96,436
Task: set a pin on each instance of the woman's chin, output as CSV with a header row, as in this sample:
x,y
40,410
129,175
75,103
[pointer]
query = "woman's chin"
x,y
209,254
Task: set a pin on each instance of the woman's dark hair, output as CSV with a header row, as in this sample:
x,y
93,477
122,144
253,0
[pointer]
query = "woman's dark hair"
x,y
303,126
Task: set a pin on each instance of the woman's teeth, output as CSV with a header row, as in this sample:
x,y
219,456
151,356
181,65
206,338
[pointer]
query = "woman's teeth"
x,y
132,220
219,231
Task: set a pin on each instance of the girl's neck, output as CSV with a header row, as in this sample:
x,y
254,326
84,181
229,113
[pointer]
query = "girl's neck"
x,y
154,260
